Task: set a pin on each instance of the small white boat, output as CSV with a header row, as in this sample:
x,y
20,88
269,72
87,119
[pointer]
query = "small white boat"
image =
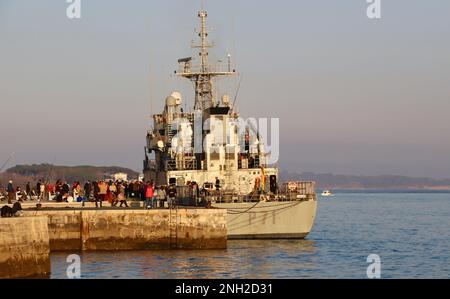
x,y
327,193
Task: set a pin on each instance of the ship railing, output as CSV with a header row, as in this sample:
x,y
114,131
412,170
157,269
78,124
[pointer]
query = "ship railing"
x,y
188,196
305,193
218,68
299,190
171,165
301,187
188,163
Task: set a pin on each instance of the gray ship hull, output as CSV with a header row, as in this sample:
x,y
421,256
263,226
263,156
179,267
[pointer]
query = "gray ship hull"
x,y
270,220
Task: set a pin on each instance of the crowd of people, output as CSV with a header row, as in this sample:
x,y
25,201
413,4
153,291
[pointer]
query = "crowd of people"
x,y
116,193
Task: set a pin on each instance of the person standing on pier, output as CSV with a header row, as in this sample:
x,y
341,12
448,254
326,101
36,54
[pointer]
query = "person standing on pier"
x,y
149,194
195,193
87,192
51,190
217,184
130,190
161,196
28,191
103,190
76,191
38,189
127,190
140,190
121,195
172,192
113,188
42,191
65,189
97,195
10,190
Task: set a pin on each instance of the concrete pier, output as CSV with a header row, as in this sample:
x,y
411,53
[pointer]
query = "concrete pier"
x,y
24,247
91,230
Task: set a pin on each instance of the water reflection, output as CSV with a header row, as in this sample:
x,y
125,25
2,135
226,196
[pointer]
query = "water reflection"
x,y
242,259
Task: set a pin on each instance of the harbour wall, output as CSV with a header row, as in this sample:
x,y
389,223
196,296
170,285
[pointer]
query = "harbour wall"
x,y
24,247
95,230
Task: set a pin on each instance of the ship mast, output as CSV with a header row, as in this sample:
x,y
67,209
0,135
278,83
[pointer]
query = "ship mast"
x,y
204,39
203,76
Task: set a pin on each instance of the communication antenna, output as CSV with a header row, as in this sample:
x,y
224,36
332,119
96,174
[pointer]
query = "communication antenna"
x,y
7,161
233,34
151,88
237,92
202,75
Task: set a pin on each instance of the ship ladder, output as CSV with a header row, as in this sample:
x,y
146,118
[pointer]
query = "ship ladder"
x,y
173,228
170,134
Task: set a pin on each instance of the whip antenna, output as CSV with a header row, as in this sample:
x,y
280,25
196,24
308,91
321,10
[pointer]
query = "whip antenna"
x,y
237,92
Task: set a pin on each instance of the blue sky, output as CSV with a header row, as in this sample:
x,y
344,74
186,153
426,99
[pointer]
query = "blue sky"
x,y
354,96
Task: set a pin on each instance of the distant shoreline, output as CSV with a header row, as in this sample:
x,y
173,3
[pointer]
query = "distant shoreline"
x,y
368,183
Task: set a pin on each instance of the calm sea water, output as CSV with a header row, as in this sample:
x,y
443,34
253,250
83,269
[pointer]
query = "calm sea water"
x,y
409,231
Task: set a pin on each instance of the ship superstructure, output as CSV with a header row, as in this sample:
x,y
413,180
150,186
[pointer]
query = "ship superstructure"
x,y
211,143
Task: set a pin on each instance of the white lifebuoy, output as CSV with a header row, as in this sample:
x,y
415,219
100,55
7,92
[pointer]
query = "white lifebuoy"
x,y
292,186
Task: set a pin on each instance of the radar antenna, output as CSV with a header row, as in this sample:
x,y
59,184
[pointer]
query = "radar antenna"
x,y
203,75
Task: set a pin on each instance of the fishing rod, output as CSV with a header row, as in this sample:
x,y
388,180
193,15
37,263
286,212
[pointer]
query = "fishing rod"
x,y
7,161
49,175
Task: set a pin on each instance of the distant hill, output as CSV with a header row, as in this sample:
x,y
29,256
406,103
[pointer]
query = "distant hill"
x,y
387,182
32,173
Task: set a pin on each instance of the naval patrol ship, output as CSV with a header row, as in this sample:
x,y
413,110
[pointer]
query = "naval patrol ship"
x,y
214,158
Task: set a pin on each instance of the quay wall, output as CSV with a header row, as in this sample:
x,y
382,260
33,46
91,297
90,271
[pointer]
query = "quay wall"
x,y
64,228
24,247
95,230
